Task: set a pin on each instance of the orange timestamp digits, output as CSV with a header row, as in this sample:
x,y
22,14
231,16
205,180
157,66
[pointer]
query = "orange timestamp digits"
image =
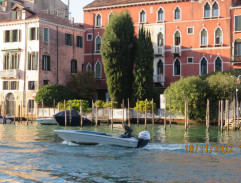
x,y
209,148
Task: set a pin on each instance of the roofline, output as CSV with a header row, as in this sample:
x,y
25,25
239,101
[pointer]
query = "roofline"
x,y
131,4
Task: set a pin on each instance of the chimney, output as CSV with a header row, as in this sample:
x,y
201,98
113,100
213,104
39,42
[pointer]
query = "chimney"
x,y
72,20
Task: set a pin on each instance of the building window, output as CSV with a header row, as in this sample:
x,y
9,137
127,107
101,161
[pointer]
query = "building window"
x,y
142,16
11,36
14,85
5,85
97,70
110,15
45,82
204,37
160,15
177,68
97,43
237,47
189,60
238,23
32,85
160,39
215,10
218,65
73,66
177,14
177,38
190,30
32,61
98,20
160,68
11,61
204,67
68,39
89,37
218,36
88,67
46,35
79,41
46,63
207,10
31,106
33,33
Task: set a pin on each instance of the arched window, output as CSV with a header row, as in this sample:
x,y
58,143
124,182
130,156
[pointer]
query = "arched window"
x,y
204,37
142,16
97,70
207,10
98,20
160,39
177,38
160,68
177,67
218,36
218,64
177,14
215,9
73,66
237,47
203,67
110,15
160,15
97,43
88,67
11,61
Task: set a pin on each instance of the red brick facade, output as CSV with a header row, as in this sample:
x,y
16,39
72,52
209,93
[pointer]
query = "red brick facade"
x,y
198,40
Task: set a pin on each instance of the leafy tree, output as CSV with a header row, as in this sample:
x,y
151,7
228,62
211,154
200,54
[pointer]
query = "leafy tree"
x,y
118,51
143,105
82,85
48,93
194,90
143,74
76,105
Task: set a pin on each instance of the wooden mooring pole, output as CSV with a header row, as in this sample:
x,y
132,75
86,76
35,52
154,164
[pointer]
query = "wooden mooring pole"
x,y
138,112
96,113
54,106
111,113
165,115
129,120
145,112
81,113
152,111
221,115
170,115
123,110
207,115
92,111
238,125
70,112
227,114
65,113
108,112
42,109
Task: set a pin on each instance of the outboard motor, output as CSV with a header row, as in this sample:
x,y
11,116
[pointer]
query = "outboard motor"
x,y
143,139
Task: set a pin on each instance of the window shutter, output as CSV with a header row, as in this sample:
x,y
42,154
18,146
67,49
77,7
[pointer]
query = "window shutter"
x,y
17,61
35,61
11,35
10,65
9,85
48,63
66,39
17,85
81,42
4,62
30,34
71,40
4,36
14,14
18,35
35,85
29,61
36,33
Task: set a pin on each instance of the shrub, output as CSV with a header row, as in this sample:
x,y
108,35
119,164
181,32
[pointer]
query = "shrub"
x,y
142,104
76,105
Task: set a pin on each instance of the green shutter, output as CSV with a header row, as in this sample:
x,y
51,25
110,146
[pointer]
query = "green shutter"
x,y
46,35
17,85
66,39
35,61
36,33
4,62
10,65
81,42
29,61
30,34
43,62
11,35
48,63
35,85
71,39
18,35
17,64
14,15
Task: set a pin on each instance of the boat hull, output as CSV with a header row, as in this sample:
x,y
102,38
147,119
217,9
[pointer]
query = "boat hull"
x,y
47,121
93,138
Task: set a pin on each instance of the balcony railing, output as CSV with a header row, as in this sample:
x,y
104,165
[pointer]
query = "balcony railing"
x,y
237,59
13,73
176,50
158,78
159,50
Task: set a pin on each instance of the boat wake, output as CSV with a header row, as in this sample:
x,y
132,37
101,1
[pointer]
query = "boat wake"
x,y
69,143
166,147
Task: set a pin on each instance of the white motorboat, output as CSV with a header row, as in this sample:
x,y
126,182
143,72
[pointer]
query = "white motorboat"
x,y
8,119
47,121
93,138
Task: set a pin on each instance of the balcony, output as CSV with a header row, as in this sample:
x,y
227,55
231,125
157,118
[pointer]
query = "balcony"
x,y
158,78
237,59
13,73
176,50
159,50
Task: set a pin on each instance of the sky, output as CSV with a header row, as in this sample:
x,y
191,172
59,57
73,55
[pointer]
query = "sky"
x,y
76,9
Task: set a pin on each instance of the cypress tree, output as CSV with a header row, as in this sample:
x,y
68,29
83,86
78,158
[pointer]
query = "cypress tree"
x,y
118,51
143,74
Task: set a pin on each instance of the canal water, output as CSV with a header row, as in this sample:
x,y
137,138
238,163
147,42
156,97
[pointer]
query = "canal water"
x,y
34,153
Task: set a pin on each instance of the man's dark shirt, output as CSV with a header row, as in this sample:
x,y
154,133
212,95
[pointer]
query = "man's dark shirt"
x,y
128,131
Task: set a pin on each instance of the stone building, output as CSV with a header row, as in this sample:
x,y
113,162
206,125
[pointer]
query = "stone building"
x,y
190,37
36,49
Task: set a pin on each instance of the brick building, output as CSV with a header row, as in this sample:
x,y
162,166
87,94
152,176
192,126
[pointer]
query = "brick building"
x,y
36,49
190,37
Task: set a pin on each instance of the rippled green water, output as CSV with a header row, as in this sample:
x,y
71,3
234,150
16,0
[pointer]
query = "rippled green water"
x,y
34,153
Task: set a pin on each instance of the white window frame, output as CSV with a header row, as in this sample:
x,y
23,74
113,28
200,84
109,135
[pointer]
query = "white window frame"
x,y
204,10
44,34
174,38
174,13
140,16
192,29
200,65
192,60
96,20
157,15
200,37
88,35
215,36
174,67
88,66
235,23
215,63
218,9
31,108
96,43
100,70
